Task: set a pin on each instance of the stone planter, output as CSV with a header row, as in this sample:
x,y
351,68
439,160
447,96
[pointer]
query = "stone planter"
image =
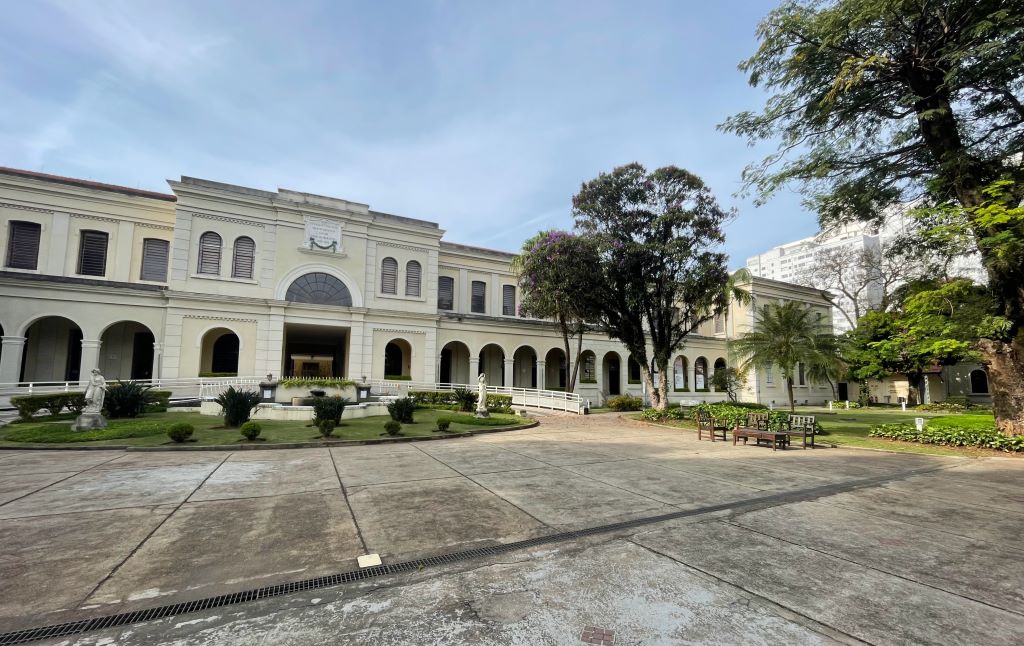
x,y
286,394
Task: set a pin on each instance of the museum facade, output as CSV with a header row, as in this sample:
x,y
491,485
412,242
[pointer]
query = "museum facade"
x,y
217,279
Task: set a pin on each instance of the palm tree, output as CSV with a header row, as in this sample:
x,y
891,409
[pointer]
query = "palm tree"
x,y
786,335
826,364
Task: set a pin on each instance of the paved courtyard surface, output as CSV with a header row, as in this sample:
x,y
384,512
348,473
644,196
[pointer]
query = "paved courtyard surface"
x,y
804,547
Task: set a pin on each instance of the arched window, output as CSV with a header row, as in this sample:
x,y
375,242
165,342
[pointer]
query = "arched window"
x,y
225,355
979,382
209,253
389,276
318,288
413,273
680,368
243,258
700,374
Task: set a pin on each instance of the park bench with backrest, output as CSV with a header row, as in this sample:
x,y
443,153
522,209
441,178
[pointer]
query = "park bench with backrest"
x,y
802,426
757,428
706,423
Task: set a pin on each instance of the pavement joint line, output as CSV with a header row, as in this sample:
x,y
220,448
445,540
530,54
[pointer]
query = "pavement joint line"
x,y
88,511
158,612
181,504
876,568
73,475
351,512
806,621
272,495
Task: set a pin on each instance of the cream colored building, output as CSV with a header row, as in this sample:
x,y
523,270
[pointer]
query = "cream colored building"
x,y
213,278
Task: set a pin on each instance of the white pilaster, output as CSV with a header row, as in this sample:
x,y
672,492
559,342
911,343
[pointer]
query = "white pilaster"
x,y
10,358
90,358
509,364
541,374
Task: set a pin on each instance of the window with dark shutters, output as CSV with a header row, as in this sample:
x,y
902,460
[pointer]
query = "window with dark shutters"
x,y
445,293
243,258
508,300
413,274
389,276
23,245
92,254
478,302
209,253
154,259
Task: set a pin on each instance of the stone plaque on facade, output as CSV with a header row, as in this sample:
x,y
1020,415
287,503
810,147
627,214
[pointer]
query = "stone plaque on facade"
x,y
323,234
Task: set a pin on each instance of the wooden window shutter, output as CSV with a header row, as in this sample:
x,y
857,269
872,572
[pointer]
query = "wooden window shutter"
x,y
243,258
445,293
154,259
413,274
92,254
23,245
479,297
508,300
209,253
389,276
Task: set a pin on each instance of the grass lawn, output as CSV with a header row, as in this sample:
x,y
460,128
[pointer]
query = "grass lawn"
x,y
850,428
151,430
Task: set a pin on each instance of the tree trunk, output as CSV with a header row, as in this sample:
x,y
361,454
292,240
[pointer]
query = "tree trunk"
x,y
568,354
663,386
576,363
1005,363
789,390
654,393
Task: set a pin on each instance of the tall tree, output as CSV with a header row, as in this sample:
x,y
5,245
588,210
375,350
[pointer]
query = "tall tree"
x,y
784,335
876,102
663,272
553,286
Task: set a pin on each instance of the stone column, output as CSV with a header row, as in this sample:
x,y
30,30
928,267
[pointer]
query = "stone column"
x,y
508,377
474,368
10,358
599,378
541,374
90,358
158,355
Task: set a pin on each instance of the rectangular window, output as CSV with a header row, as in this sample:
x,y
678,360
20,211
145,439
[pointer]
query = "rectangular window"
x,y
92,254
23,245
445,293
508,300
800,374
478,303
154,260
768,375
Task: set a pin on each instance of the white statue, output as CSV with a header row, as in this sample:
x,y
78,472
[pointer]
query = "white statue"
x,y
95,392
481,398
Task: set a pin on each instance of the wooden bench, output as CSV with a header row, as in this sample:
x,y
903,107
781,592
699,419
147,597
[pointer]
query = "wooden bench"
x,y
770,438
802,426
710,425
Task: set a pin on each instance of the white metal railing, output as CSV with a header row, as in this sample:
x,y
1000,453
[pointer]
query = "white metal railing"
x,y
183,388
535,397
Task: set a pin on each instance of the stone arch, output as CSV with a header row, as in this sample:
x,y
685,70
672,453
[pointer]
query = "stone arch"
x,y
454,364
52,350
220,348
611,367
524,367
289,278
556,370
979,382
127,350
701,377
491,360
397,358
680,373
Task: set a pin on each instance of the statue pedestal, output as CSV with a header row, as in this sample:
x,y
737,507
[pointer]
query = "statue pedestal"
x,y
482,412
89,422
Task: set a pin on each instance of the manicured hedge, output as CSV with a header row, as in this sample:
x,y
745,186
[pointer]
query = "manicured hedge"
x,y
624,403
52,403
447,400
471,420
988,438
841,403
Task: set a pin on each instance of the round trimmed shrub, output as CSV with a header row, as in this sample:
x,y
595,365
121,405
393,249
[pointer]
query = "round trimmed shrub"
x,y
180,432
393,428
443,423
250,430
326,427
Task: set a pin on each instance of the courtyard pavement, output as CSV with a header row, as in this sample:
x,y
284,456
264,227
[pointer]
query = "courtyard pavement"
x,y
805,547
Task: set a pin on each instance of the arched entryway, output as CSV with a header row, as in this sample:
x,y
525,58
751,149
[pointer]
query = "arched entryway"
x,y
491,361
524,368
680,378
719,366
397,359
979,382
219,353
126,351
611,366
555,372
700,374
53,351
454,368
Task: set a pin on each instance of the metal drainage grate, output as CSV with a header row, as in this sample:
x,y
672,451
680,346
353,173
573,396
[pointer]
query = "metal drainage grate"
x,y
185,607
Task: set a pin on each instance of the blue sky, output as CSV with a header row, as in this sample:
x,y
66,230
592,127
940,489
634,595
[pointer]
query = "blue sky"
x,y
483,116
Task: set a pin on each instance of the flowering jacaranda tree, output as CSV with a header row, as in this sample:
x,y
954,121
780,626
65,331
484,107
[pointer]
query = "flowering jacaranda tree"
x,y
661,266
557,282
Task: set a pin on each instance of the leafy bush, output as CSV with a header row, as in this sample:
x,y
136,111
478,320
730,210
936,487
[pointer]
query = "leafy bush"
x,y
443,423
988,438
320,382
159,401
625,403
466,399
331,408
180,432
674,413
749,405
962,400
237,405
326,427
29,405
841,403
393,428
250,430
947,406
127,399
397,378
401,410
732,415
214,375
472,420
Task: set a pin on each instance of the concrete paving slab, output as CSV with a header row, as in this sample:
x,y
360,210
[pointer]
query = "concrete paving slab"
x,y
729,472
212,548
112,489
998,471
358,467
144,459
55,461
16,486
310,471
430,516
870,605
962,488
979,570
559,453
473,459
561,498
51,563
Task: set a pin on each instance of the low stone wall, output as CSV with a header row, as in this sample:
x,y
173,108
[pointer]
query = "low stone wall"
x,y
285,394
280,412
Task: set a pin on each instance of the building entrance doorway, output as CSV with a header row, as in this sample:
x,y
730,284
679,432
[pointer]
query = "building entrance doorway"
x,y
315,351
